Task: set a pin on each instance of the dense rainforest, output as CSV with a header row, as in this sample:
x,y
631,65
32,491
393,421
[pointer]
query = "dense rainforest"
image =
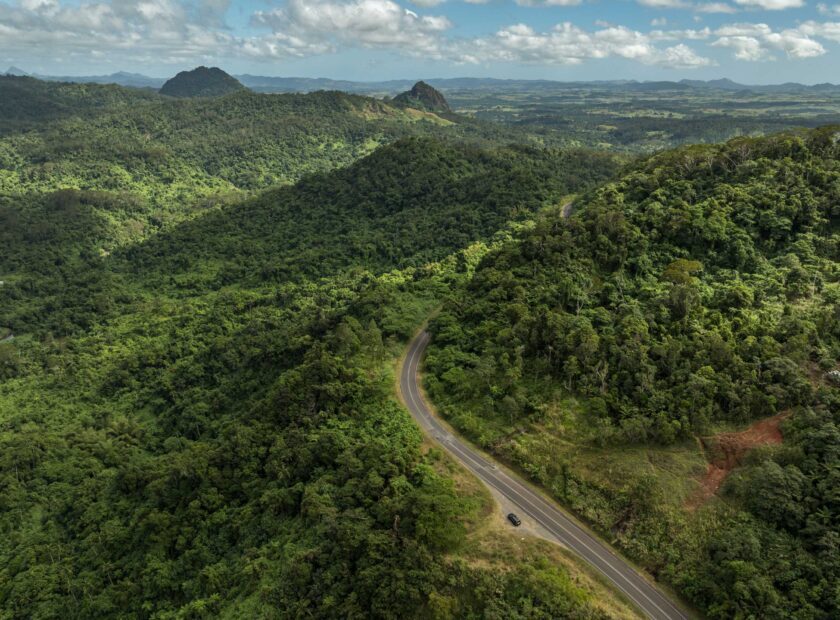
x,y
164,160
202,301
411,203
599,353
200,422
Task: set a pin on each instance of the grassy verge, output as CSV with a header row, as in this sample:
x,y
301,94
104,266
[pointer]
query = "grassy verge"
x,y
493,547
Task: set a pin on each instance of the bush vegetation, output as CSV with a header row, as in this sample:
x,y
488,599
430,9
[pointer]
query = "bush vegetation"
x,y
203,424
700,289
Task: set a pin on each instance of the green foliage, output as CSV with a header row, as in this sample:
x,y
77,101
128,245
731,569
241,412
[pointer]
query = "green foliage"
x,y
529,591
404,206
201,82
174,159
202,423
699,289
423,97
689,292
27,102
104,168
407,204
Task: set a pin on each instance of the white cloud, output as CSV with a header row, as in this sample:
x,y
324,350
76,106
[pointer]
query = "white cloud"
x,y
754,42
825,30
795,44
369,23
666,4
382,23
427,3
831,11
682,57
166,30
680,35
549,2
772,5
715,7
743,30
701,7
745,47
188,31
566,44
45,6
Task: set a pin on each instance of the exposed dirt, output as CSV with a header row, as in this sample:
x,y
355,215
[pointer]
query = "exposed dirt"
x,y
726,451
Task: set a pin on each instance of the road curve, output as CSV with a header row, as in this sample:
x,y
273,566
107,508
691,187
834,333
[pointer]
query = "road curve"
x,y
559,524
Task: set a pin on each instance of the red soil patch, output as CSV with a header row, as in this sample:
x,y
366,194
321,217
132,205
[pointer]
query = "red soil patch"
x,y
726,451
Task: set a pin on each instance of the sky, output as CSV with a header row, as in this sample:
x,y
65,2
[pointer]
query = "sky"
x,y
750,41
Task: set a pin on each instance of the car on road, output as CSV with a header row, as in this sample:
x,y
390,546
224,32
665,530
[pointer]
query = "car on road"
x,y
515,520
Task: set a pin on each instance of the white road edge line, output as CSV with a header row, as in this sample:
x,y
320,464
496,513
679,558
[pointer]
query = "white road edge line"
x,y
537,504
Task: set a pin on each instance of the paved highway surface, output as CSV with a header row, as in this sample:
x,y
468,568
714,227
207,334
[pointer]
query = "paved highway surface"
x,y
562,527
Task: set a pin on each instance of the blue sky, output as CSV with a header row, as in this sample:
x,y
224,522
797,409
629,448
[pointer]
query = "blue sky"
x,y
754,41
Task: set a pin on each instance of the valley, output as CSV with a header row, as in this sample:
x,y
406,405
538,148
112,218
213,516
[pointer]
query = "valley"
x,y
206,292
205,409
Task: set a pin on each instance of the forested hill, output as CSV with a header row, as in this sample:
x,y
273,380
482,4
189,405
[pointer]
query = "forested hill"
x,y
108,137
218,435
25,101
405,205
699,292
423,97
172,158
201,82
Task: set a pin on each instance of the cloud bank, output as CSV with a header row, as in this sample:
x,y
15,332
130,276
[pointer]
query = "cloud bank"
x,y
180,31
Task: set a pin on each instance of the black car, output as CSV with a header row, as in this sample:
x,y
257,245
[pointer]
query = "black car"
x,y
514,519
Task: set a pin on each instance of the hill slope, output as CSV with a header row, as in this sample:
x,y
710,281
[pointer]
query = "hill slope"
x,y
698,292
221,437
201,82
27,103
423,97
146,162
405,205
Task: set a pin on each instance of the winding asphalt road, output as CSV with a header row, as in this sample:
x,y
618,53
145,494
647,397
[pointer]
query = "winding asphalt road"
x,y
562,527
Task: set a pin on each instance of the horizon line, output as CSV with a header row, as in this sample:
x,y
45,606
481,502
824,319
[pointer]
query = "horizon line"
x,y
426,79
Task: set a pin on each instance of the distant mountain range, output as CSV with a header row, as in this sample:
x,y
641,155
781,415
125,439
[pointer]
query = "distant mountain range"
x,y
123,78
266,84
726,84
